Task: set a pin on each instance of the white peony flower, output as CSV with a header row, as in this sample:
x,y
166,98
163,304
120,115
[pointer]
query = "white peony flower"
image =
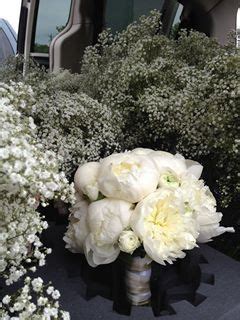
x,y
173,167
164,226
77,228
127,176
166,161
200,200
128,241
97,254
107,218
209,222
85,180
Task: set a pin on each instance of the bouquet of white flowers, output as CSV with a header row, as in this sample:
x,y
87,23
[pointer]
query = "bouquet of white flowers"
x,y
141,197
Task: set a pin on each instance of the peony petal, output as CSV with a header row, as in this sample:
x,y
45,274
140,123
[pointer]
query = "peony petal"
x,y
97,255
107,218
194,168
85,180
210,231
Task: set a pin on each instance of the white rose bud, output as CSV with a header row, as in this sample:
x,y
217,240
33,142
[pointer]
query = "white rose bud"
x,y
128,241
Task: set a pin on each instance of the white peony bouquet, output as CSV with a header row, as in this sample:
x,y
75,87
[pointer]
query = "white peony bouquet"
x,y
139,198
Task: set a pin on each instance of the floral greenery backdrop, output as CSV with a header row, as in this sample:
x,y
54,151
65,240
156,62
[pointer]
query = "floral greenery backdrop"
x,y
137,88
140,88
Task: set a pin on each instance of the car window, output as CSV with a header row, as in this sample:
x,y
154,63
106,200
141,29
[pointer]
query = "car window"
x,y
120,13
238,28
6,49
52,17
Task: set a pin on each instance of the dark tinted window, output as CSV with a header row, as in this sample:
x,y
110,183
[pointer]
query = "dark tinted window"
x,y
120,13
52,17
5,46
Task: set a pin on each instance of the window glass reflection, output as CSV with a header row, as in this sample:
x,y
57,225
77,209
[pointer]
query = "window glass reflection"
x,y
52,17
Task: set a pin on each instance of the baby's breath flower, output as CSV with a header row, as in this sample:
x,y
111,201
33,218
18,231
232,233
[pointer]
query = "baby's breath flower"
x,y
33,302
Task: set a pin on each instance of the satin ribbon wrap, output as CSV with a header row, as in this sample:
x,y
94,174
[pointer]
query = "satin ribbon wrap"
x,y
168,284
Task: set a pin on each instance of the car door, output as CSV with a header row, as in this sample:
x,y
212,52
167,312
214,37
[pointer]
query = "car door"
x,y
55,33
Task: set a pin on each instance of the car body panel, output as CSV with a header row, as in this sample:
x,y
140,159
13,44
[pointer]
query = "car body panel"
x,y
85,19
8,40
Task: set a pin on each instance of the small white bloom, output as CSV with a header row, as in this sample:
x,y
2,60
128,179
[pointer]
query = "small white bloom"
x,y
169,179
31,238
128,241
18,306
6,299
56,294
42,301
50,290
65,315
31,308
4,153
37,284
42,262
33,269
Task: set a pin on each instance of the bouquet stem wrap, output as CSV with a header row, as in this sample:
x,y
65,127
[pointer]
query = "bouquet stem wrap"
x,y
137,279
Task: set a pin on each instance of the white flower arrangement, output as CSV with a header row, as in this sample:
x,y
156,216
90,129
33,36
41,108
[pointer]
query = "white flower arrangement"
x,y
35,301
27,171
141,197
179,95
28,176
20,95
77,128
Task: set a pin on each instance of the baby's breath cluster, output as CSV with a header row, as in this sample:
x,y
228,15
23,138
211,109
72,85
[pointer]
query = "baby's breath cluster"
x,y
28,176
21,248
20,95
26,170
77,128
35,301
178,95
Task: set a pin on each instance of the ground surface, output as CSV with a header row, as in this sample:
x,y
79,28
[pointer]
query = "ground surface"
x,y
222,302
